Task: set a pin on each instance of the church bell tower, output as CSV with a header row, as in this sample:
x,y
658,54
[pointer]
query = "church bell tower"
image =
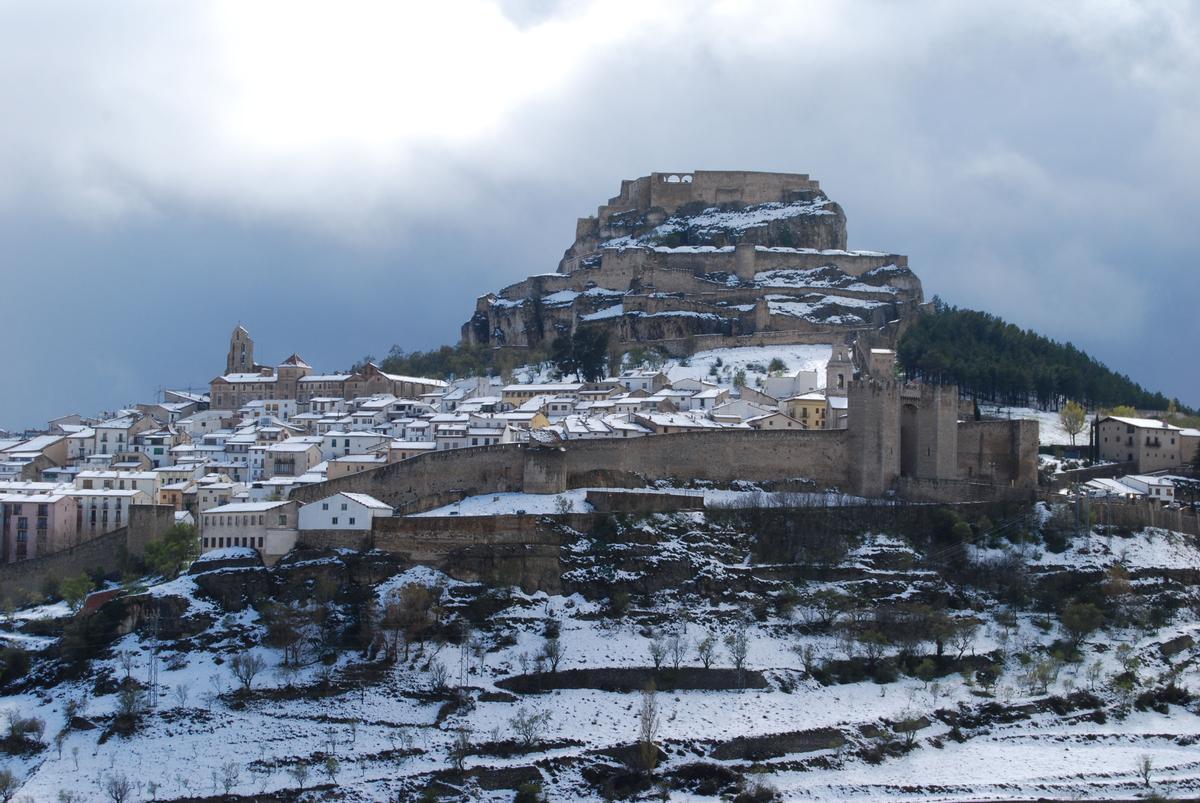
x,y
240,359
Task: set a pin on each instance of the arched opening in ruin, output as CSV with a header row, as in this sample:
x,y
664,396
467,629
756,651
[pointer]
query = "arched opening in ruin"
x,y
908,440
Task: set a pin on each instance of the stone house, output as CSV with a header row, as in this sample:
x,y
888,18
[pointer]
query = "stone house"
x,y
1149,444
290,458
269,527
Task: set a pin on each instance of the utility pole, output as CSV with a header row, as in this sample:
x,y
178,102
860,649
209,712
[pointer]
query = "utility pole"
x,y
152,670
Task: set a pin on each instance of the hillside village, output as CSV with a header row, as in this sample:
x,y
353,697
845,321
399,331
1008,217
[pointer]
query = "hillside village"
x,y
748,558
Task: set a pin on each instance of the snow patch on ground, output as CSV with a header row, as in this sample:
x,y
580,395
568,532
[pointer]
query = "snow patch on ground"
x,y
1050,428
754,360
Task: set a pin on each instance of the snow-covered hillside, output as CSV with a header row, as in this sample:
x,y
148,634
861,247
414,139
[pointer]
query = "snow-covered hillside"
x,y
1050,428
491,689
754,360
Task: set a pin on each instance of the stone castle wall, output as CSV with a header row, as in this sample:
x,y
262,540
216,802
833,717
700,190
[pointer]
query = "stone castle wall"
x,y
998,451
742,261
426,481
670,191
448,475
103,555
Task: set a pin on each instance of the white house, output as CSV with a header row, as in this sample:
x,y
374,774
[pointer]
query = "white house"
x,y
1156,489
337,443
343,511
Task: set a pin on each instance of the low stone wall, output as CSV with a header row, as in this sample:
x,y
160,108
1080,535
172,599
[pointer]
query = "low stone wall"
x,y
643,502
28,580
1068,478
960,491
1136,515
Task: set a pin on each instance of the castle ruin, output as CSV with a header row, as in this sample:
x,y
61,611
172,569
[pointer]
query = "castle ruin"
x,y
705,260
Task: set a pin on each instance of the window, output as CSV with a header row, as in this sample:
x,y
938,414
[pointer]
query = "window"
x,y
334,520
282,520
324,506
351,520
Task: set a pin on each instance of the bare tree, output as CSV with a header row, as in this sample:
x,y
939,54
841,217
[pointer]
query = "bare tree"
x,y
529,726
299,774
117,787
706,649
126,659
245,666
230,773
407,614
331,767
738,644
460,748
648,728
181,692
8,785
658,649
962,635
552,651
678,647
438,674
1145,766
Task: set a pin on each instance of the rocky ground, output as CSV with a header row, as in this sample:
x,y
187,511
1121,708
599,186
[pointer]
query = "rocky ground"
x,y
737,654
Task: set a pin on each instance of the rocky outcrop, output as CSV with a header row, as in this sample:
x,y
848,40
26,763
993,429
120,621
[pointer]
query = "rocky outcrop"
x,y
701,260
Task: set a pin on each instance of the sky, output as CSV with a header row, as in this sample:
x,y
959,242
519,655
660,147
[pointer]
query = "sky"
x,y
342,177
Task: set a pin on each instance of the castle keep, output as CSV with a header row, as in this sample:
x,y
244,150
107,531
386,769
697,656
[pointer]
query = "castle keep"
x,y
707,259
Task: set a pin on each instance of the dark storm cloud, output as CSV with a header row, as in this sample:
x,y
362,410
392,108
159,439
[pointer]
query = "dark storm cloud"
x,y
341,183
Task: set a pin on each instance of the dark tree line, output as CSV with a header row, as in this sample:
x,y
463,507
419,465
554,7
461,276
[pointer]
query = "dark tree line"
x,y
584,353
453,362
995,361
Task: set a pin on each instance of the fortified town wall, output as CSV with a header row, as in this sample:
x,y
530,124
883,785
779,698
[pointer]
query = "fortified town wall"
x,y
895,431
103,555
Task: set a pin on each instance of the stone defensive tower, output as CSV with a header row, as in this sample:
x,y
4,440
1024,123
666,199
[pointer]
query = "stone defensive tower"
x,y
899,430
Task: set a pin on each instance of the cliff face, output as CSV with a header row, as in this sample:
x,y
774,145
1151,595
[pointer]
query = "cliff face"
x,y
715,255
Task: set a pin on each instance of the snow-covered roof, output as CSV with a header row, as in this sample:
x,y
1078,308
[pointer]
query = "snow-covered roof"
x,y
325,378
245,507
549,388
236,379
366,500
1144,423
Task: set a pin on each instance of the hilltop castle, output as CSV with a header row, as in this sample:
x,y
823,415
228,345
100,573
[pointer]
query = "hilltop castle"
x,y
703,260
